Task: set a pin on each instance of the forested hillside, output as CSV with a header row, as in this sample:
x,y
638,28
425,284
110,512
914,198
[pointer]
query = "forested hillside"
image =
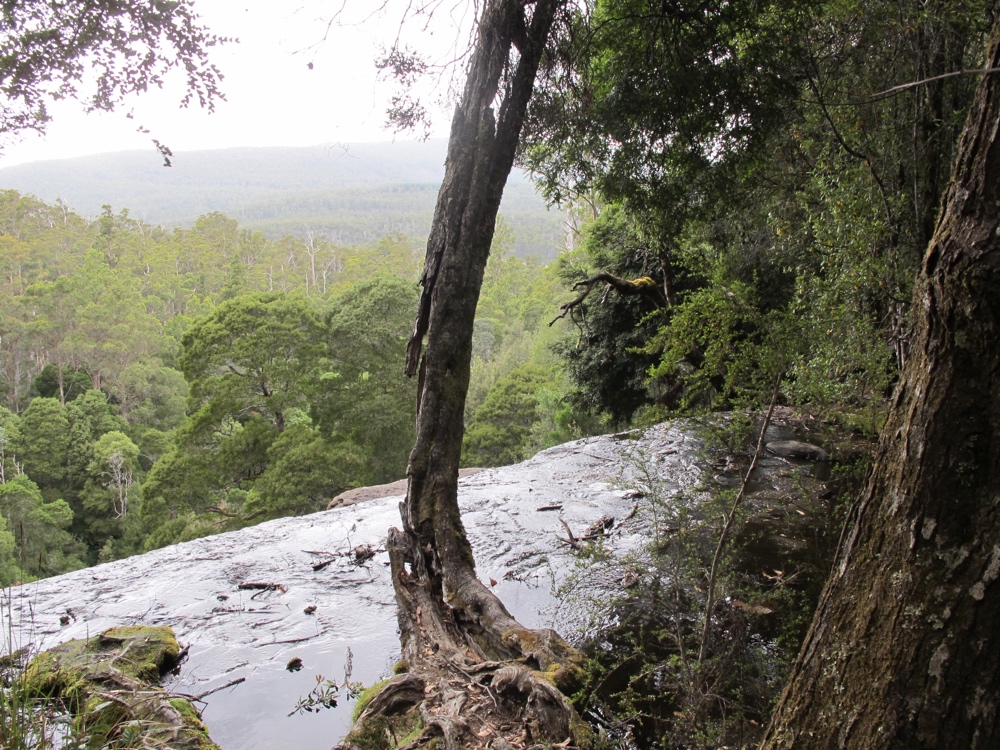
x,y
347,193
160,385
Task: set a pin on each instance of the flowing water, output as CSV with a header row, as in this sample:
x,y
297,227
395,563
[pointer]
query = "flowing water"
x,y
514,516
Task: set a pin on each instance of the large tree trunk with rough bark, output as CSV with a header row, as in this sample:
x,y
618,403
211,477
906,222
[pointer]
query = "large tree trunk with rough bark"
x,y
474,677
904,649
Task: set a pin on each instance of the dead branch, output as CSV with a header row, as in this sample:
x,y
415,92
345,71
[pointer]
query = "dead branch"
x,y
202,696
572,541
261,587
644,285
287,641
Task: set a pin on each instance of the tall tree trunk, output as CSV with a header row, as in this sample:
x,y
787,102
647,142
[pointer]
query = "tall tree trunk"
x,y
474,675
904,649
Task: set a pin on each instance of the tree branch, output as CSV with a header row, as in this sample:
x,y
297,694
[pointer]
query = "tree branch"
x,y
924,81
644,285
730,518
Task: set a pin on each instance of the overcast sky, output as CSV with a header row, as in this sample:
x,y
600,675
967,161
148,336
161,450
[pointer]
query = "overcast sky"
x,y
273,97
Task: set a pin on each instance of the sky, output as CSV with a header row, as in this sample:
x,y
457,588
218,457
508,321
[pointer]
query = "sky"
x,y
273,97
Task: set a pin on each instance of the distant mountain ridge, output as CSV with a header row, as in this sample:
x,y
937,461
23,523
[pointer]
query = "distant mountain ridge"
x,y
348,192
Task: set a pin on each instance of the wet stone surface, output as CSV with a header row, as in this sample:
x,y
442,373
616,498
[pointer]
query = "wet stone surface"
x,y
320,613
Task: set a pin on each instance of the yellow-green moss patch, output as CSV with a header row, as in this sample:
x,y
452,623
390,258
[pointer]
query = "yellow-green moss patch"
x,y
110,684
365,698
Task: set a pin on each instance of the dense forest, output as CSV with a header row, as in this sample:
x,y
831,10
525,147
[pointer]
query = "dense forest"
x,y
161,385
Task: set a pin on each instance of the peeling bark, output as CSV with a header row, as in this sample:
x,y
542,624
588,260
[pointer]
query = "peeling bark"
x,y
903,650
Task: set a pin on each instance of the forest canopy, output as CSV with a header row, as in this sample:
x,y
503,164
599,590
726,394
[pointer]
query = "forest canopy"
x,y
162,385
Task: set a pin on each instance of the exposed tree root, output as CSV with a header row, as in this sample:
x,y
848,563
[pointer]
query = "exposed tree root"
x,y
475,679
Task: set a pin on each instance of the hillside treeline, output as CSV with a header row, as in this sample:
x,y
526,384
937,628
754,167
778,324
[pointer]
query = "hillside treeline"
x,y
162,385
349,194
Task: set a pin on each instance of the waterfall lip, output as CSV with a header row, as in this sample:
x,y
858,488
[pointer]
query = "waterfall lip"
x,y
254,632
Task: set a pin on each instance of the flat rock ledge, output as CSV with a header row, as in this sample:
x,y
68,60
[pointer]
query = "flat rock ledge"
x,y
378,491
797,449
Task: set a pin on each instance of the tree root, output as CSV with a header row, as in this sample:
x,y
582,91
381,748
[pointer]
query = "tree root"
x,y
477,679
495,705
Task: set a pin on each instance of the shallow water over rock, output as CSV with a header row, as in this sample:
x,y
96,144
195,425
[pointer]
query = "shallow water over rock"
x,y
515,518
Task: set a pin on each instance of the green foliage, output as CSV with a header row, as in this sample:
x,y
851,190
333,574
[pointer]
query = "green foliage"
x,y
54,382
511,331
247,451
99,55
303,472
150,394
42,545
722,348
44,442
9,572
503,430
364,397
756,170
254,358
106,494
606,354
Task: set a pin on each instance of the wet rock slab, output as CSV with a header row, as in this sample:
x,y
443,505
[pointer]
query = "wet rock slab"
x,y
317,599
797,449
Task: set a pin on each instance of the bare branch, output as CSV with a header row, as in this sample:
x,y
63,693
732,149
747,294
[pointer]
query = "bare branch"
x,y
924,81
644,285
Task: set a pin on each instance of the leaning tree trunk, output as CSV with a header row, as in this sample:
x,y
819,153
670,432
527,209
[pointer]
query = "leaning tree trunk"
x,y
904,648
474,676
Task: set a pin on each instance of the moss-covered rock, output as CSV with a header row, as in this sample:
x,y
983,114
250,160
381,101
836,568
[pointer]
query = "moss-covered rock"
x,y
110,684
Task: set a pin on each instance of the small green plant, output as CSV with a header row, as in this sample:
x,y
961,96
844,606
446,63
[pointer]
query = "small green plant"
x,y
326,692
695,649
323,695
